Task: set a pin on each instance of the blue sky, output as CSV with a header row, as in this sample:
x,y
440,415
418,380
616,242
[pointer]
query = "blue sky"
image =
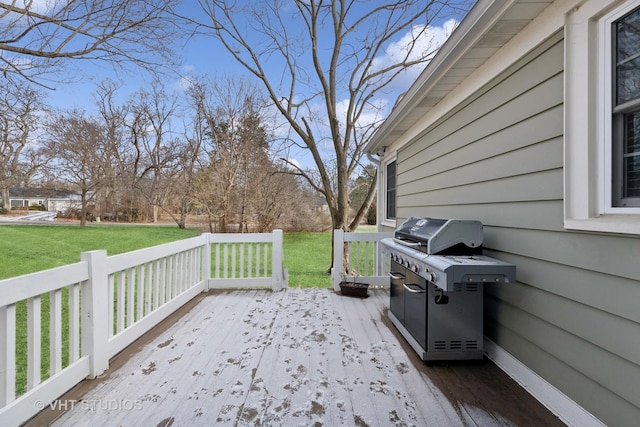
x,y
199,56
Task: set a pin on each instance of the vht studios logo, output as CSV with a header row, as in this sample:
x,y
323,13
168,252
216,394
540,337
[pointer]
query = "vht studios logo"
x,y
90,404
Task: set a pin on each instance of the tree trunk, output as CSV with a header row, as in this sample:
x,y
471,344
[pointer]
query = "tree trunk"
x,y
5,198
182,222
83,208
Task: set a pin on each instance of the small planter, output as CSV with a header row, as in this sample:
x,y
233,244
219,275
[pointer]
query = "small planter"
x,y
352,289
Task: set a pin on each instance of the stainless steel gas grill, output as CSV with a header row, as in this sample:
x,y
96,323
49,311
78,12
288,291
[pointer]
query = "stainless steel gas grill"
x,y
437,271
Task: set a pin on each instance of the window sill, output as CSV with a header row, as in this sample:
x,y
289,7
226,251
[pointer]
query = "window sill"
x,y
621,224
389,223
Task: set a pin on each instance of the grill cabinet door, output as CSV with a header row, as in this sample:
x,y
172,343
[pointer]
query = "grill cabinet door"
x,y
415,308
457,325
396,303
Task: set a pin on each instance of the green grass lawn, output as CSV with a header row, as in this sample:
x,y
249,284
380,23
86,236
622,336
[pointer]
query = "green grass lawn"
x,y
307,257
26,249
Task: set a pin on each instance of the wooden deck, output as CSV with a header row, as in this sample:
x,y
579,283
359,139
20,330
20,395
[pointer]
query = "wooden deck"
x,y
297,357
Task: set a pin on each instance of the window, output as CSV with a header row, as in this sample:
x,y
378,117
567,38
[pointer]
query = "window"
x,y
602,117
390,187
626,110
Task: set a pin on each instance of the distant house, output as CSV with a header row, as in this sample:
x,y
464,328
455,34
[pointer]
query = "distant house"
x,y
528,119
51,199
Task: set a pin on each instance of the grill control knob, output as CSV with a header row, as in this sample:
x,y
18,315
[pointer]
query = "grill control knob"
x,y
415,268
431,277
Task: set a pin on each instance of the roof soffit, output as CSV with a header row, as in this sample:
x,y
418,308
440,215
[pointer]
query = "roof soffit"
x,y
488,27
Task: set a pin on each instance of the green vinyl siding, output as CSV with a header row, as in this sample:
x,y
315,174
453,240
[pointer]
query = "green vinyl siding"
x,y
574,315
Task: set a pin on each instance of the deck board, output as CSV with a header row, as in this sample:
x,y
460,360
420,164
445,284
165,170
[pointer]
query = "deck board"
x,y
297,357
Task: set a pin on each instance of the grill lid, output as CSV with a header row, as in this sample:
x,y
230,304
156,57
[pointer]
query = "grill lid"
x,y
441,236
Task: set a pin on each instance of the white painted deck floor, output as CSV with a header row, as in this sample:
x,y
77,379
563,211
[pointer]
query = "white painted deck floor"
x,y
299,357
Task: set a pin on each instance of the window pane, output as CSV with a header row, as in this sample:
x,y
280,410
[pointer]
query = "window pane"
x,y
631,155
391,190
628,58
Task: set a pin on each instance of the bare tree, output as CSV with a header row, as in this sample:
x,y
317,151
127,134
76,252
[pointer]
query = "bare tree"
x,y
228,110
329,73
184,180
155,145
20,158
81,155
37,36
272,195
117,189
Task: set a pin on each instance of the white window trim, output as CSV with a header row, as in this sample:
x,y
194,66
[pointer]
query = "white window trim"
x,y
387,222
606,43
587,121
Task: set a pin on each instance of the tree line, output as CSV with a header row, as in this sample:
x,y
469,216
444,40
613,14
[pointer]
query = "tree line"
x,y
330,69
157,152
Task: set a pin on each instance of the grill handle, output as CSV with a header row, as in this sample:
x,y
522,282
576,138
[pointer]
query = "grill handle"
x,y
396,277
413,291
407,243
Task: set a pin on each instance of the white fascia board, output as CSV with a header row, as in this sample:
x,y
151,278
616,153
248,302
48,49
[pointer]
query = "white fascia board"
x,y
475,25
544,26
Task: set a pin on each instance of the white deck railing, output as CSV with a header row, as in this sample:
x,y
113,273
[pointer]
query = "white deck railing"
x,y
364,259
100,305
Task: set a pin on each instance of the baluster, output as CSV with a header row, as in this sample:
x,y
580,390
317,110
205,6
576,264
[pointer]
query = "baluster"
x,y
111,297
74,322
34,341
226,260
233,260
120,298
156,284
140,291
217,275
130,296
148,287
7,354
163,281
367,249
55,332
266,260
241,247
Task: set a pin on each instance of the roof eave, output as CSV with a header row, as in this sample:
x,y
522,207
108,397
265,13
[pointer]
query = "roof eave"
x,y
478,22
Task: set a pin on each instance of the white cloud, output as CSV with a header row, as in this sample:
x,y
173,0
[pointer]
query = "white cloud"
x,y
292,163
39,6
188,69
184,83
373,112
427,42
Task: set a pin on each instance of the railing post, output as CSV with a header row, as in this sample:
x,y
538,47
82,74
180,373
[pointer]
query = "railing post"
x,y
337,273
7,354
95,325
206,259
277,268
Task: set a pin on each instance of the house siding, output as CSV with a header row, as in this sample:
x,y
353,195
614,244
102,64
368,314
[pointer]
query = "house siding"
x,y
573,317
